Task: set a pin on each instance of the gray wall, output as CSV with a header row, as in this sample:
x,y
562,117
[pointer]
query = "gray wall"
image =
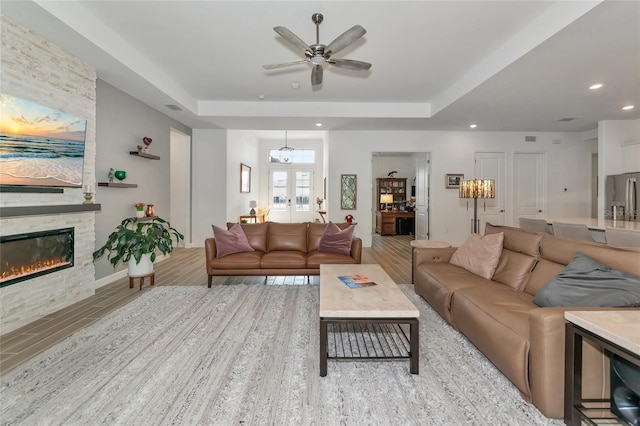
x,y
121,123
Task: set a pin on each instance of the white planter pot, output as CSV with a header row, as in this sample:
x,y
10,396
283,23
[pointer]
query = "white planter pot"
x,y
145,267
139,213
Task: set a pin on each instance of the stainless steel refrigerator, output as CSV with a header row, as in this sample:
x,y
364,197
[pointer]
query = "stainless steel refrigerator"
x,y
621,195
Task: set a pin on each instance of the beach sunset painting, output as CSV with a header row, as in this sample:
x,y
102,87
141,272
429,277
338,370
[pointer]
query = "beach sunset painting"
x,y
39,146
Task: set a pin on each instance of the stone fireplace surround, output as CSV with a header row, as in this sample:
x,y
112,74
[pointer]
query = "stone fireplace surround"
x,y
35,69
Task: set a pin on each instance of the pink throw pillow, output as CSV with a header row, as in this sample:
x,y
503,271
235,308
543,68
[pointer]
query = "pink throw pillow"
x,y
232,241
336,240
479,254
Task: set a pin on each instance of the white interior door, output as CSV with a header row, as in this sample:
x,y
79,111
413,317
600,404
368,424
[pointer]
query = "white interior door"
x,y
528,186
292,195
422,198
490,165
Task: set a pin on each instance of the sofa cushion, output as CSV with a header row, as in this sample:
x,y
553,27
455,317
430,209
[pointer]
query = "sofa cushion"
x,y
587,282
515,239
479,255
256,234
283,259
230,241
246,260
287,237
514,269
317,258
336,240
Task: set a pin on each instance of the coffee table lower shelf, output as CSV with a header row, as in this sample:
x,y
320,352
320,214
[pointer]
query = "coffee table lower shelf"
x,y
369,339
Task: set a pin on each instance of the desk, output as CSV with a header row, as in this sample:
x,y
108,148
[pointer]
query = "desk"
x,y
617,331
252,218
387,221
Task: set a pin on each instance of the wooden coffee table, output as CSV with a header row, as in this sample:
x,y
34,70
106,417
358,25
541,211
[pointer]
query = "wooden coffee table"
x,y
383,303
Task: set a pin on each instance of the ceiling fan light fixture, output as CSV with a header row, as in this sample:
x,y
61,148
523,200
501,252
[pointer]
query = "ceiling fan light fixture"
x,y
318,60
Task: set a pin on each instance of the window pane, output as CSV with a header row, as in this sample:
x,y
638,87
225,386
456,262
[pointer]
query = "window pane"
x,y
303,182
297,156
279,190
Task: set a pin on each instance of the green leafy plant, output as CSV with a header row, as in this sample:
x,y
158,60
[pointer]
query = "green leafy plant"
x,y
135,238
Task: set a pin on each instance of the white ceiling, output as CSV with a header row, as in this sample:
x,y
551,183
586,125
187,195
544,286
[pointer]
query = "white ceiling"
x,y
437,65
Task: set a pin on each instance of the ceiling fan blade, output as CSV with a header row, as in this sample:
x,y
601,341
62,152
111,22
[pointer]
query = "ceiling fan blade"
x,y
345,39
284,64
293,39
350,64
316,75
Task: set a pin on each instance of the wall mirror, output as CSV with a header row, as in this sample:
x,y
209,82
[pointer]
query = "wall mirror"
x,y
348,192
245,178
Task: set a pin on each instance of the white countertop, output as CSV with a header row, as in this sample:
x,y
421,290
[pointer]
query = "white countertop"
x,y
597,224
621,327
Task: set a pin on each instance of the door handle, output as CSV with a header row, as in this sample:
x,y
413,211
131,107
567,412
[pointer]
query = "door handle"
x,y
539,211
502,211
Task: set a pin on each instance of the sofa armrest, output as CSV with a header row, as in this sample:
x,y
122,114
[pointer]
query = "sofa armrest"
x,y
546,361
431,255
210,251
356,249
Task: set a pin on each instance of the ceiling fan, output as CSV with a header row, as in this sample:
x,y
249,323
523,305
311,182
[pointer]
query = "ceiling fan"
x,y
318,54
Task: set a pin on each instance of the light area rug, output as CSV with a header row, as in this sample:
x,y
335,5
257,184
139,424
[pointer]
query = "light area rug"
x,y
248,354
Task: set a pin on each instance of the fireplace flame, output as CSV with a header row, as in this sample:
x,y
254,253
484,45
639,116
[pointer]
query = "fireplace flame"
x,y
12,272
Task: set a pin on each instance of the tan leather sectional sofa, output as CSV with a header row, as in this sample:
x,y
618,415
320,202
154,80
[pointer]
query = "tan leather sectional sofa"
x,y
280,249
523,340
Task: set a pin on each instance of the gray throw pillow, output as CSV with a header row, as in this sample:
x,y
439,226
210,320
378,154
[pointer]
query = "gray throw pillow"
x,y
587,282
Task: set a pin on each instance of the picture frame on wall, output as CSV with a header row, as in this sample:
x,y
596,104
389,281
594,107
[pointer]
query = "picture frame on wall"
x,y
348,192
452,180
245,178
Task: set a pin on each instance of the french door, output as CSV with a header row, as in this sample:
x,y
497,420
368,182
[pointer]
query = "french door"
x,y
291,194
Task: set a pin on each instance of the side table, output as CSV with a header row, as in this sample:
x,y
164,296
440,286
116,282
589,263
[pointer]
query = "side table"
x,y
152,279
616,331
425,244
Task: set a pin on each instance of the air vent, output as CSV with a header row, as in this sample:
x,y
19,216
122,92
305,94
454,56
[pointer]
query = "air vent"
x,y
529,138
174,107
566,119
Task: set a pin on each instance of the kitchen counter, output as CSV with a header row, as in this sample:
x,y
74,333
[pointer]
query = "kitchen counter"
x,y
597,224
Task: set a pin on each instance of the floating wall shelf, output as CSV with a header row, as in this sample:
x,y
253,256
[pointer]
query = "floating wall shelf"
x,y
118,185
48,210
144,155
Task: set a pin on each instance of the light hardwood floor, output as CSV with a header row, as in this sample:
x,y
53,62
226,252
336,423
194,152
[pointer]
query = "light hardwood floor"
x,y
184,267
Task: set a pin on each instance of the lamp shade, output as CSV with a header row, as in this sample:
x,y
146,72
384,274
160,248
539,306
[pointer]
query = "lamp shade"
x,y
478,188
386,198
253,203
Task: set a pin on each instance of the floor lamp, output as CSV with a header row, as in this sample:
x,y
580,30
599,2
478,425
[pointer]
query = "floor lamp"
x,y
477,188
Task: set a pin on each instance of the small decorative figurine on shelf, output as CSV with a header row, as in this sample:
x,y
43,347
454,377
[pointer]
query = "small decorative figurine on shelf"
x,y
151,211
392,174
111,174
120,175
139,148
349,218
146,141
319,201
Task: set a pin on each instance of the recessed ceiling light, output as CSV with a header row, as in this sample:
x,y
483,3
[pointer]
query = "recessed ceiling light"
x,y
295,85
473,126
318,124
595,86
261,97
627,107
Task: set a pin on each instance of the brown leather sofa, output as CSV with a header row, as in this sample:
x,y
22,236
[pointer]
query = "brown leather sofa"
x,y
523,340
280,249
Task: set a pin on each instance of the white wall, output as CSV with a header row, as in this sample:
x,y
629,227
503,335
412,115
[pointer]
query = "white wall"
x,y
242,147
209,182
122,122
568,166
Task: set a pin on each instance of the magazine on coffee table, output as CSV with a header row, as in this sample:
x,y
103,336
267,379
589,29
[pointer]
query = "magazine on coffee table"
x,y
356,281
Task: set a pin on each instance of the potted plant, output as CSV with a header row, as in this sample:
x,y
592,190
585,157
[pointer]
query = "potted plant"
x,y
139,209
136,243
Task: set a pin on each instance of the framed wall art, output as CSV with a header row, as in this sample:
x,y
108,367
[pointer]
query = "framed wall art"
x,y
348,192
245,178
452,180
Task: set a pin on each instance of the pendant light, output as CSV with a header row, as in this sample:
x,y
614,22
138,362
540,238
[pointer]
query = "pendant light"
x,y
285,151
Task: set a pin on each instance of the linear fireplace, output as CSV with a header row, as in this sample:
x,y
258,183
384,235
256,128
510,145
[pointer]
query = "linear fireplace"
x,y
26,256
